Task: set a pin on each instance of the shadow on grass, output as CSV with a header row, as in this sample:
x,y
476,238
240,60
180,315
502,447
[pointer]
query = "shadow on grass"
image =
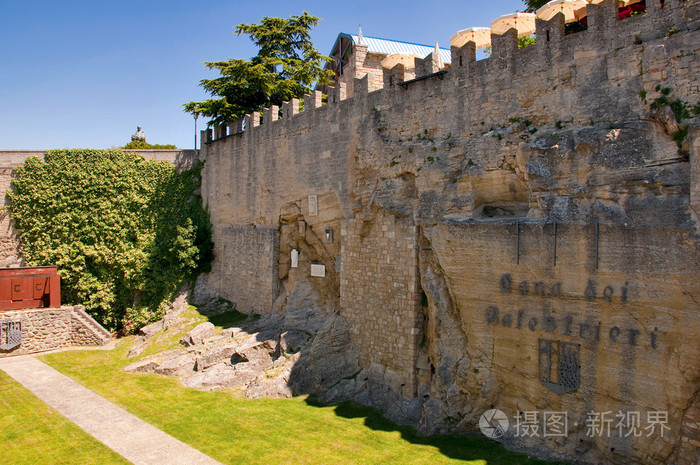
x,y
467,446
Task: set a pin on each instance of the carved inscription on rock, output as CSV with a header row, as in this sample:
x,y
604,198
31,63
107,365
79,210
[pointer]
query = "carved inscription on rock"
x,y
559,352
567,325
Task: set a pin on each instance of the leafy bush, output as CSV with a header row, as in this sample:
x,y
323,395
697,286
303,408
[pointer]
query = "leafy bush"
x,y
125,233
142,144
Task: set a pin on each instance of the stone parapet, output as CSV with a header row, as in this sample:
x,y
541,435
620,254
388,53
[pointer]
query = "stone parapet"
x,y
181,159
588,67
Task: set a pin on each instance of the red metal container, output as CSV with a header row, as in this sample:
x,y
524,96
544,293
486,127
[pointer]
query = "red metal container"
x,y
29,287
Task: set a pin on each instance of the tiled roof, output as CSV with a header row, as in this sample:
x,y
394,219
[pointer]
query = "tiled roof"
x,y
389,47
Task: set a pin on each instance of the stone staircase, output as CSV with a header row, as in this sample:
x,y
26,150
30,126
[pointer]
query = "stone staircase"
x,y
87,331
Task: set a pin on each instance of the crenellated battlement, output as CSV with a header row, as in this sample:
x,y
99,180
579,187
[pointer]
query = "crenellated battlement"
x,y
554,54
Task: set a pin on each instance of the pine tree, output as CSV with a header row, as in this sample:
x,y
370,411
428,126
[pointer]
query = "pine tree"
x,y
287,66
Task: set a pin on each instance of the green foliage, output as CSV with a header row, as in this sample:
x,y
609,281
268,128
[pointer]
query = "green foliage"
x,y
524,41
140,144
125,233
643,96
533,5
286,67
681,110
680,136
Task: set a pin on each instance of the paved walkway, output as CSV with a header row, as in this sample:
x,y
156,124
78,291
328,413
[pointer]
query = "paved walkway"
x,y
132,438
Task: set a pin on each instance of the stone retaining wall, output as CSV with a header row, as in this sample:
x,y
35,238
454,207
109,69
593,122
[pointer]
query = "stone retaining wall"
x,y
54,328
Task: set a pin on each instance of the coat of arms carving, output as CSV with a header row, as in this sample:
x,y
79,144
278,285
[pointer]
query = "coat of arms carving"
x,y
559,367
10,334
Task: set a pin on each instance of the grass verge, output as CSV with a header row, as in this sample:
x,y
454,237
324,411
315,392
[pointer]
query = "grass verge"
x,y
32,432
235,430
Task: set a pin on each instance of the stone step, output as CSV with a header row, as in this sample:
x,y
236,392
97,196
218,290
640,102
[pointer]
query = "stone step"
x,y
88,322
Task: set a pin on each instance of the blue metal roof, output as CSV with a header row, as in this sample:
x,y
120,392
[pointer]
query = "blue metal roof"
x,y
389,47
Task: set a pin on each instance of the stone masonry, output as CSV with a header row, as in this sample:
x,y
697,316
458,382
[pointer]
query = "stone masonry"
x,y
54,328
239,245
518,232
385,316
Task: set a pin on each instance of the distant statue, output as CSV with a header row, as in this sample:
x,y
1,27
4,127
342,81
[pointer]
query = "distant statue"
x,y
140,135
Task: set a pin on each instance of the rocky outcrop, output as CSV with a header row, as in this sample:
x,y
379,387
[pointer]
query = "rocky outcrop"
x,y
198,334
266,356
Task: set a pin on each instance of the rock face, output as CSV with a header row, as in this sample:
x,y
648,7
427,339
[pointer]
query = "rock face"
x,y
198,334
271,356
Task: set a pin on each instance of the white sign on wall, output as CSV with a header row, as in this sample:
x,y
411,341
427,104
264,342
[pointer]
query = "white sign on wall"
x,y
295,258
318,271
313,205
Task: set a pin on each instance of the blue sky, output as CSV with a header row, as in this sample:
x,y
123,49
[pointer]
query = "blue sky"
x,y
79,73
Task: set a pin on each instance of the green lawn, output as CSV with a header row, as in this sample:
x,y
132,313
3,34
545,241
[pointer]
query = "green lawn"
x,y
235,430
31,432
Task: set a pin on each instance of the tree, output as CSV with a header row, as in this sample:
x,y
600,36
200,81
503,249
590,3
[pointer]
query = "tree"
x,y
533,5
286,67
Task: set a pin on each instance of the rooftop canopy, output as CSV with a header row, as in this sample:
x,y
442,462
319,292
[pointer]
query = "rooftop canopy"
x,y
481,36
345,44
573,10
524,23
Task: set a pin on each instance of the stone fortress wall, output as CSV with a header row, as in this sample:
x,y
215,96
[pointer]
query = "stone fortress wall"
x,y
518,232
